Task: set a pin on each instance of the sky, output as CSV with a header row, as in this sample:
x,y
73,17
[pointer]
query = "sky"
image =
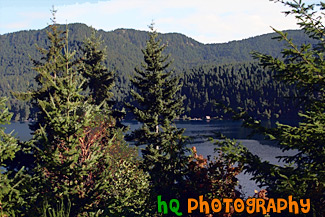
x,y
207,21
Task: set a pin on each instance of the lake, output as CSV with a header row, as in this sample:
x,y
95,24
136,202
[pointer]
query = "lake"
x,y
200,131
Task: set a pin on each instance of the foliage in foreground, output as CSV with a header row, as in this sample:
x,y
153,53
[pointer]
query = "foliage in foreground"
x,y
80,164
157,106
173,172
11,182
303,175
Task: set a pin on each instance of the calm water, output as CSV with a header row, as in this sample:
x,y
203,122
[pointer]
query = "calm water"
x,y
200,131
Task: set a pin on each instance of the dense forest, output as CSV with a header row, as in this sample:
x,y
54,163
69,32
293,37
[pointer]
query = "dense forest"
x,y
79,161
210,72
247,86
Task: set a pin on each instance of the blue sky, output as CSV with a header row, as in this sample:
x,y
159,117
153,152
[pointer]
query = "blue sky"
x,y
207,21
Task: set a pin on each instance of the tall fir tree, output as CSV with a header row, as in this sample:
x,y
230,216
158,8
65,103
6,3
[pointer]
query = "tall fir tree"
x,y
158,104
100,80
82,165
49,68
303,175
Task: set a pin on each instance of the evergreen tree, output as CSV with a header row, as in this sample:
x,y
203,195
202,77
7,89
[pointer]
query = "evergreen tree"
x,y
303,175
158,105
52,65
100,80
81,162
12,182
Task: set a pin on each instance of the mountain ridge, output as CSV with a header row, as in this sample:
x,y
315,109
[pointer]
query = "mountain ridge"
x,y
144,31
124,54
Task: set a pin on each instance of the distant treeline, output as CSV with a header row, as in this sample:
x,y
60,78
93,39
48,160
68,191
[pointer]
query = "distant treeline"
x,y
210,72
247,86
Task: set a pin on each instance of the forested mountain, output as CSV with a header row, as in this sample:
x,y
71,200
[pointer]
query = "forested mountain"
x,y
211,72
244,85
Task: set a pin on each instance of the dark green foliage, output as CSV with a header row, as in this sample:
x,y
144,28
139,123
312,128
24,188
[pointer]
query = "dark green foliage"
x,y
157,106
156,88
303,66
173,173
99,79
80,165
124,53
12,187
77,159
238,85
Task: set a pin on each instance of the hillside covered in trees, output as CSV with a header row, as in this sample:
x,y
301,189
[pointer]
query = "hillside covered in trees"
x,y
210,72
79,161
